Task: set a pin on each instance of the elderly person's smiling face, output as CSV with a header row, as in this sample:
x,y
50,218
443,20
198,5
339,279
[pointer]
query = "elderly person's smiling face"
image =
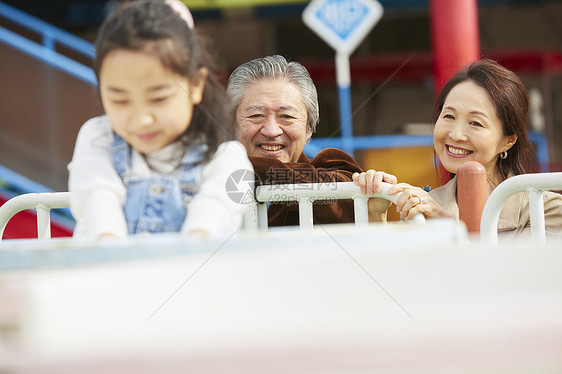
x,y
271,120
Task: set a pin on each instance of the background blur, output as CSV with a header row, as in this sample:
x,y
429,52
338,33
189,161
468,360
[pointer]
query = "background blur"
x,y
42,106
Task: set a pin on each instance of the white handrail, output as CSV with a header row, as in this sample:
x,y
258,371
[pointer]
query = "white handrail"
x,y
307,193
42,203
535,185
304,194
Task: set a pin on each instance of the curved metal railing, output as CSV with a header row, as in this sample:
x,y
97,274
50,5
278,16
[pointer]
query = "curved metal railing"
x,y
534,185
42,203
307,193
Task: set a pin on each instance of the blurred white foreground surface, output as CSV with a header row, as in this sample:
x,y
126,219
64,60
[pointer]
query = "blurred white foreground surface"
x,y
338,299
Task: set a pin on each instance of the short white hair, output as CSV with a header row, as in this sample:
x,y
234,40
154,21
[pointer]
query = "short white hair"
x,y
276,67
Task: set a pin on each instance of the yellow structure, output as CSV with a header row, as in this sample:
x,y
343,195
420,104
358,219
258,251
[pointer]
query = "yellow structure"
x,y
412,165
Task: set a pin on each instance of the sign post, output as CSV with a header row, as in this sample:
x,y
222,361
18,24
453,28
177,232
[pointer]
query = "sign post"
x,y
343,24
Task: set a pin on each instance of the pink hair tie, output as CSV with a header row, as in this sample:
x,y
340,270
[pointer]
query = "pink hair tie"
x,y
181,10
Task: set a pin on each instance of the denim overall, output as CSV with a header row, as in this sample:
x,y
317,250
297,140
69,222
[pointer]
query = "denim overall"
x,y
157,204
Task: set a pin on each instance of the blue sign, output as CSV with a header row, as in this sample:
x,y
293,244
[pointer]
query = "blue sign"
x,y
343,24
342,16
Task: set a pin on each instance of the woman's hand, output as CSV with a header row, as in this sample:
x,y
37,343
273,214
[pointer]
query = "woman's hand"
x,y
370,182
414,200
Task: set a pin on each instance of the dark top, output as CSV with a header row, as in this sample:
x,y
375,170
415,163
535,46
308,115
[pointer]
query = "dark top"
x,y
330,165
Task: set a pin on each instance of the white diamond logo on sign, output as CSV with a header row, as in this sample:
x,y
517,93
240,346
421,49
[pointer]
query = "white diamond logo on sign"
x,y
343,24
342,17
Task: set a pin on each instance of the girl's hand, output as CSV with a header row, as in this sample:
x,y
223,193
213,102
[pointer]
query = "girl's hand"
x,y
415,200
199,232
370,182
107,236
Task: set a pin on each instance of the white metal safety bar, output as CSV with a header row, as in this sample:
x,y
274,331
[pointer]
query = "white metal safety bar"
x,y
535,185
307,193
42,203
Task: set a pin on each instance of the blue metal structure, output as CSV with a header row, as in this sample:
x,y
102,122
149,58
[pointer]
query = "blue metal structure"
x,y
46,51
391,141
51,35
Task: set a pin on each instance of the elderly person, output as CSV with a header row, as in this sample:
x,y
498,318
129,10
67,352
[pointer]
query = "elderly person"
x,y
481,115
276,112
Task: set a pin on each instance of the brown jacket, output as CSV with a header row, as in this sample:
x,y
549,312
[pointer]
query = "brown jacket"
x,y
514,218
330,165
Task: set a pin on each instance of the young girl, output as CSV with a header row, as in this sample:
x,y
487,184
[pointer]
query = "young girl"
x,y
159,160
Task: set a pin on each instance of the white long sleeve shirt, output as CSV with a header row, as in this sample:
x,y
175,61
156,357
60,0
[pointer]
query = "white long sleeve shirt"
x,y
98,193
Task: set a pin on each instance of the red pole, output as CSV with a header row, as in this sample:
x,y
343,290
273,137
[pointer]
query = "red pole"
x,y
455,37
472,194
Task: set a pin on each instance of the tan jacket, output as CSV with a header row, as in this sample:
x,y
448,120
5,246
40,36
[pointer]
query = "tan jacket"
x,y
515,217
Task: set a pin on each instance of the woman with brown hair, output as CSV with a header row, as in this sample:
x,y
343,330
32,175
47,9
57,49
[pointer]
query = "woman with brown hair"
x,y
481,115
